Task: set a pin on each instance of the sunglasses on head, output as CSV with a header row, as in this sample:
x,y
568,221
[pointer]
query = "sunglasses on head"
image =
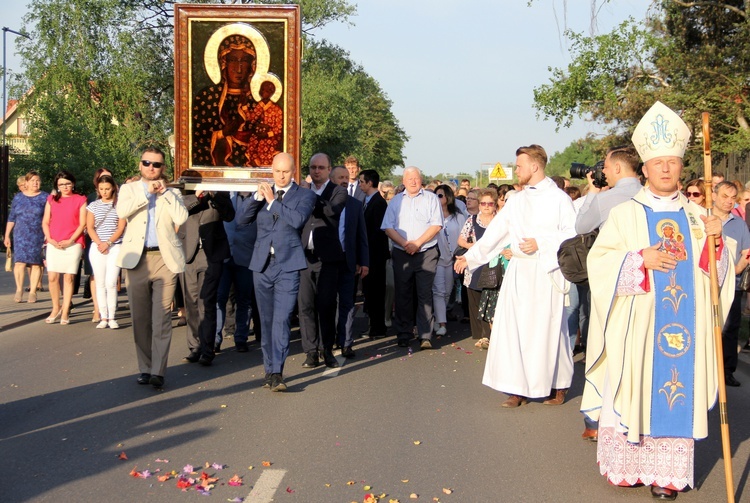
x,y
156,165
693,194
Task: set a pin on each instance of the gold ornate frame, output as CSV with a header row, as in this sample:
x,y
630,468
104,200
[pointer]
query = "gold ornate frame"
x,y
274,31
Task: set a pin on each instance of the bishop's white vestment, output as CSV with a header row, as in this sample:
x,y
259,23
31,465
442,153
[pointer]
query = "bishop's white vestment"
x,y
635,386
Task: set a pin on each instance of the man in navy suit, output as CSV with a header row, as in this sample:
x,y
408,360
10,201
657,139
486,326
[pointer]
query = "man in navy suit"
x,y
353,237
352,187
318,283
280,212
374,285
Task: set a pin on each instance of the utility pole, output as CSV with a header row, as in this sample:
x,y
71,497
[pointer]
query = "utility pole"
x,y
5,150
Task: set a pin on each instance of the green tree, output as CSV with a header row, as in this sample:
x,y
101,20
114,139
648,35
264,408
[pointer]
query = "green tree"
x,y
102,78
345,112
694,56
588,151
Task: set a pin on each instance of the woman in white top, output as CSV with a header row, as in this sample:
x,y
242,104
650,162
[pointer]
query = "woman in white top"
x,y
105,231
453,222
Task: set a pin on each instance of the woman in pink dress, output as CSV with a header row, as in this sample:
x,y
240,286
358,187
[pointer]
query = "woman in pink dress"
x,y
63,224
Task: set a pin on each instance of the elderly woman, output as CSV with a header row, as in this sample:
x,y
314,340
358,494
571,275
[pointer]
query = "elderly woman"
x,y
696,192
453,222
472,231
63,224
25,220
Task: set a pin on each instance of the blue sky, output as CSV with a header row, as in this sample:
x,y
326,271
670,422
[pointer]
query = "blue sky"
x,y
460,74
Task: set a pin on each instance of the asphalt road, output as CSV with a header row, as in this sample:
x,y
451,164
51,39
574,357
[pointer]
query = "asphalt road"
x,y
401,423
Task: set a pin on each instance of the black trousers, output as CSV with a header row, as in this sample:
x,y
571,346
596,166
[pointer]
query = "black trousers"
x,y
730,334
373,287
316,300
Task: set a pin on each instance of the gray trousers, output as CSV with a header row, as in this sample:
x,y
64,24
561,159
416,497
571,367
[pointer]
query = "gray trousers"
x,y
414,273
151,287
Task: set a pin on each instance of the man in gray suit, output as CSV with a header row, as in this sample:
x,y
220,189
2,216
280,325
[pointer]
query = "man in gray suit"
x,y
153,256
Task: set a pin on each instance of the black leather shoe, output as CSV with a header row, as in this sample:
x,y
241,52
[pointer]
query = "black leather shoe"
x,y
156,381
662,493
267,381
277,383
347,352
403,343
329,359
143,379
217,348
206,360
731,381
193,357
241,347
312,360
377,335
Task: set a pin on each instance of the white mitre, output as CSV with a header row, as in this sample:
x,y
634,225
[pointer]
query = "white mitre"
x,y
661,132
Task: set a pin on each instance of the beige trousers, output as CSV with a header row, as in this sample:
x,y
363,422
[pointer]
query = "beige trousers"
x,y
151,287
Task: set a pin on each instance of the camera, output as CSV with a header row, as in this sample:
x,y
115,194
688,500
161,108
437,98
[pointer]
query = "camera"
x,y
579,170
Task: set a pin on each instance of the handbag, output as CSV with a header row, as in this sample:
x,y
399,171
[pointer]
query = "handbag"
x,y
745,280
491,275
8,260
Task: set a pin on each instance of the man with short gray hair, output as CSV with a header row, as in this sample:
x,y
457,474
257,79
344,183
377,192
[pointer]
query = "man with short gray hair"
x,y
412,222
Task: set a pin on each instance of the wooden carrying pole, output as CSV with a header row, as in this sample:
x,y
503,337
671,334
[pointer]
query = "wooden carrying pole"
x,y
725,444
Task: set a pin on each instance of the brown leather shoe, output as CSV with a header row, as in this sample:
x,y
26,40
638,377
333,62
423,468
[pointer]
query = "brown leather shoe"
x,y
590,434
514,401
557,397
662,493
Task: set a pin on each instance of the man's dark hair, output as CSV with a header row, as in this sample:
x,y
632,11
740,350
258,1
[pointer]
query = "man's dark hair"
x,y
626,154
154,150
559,181
371,176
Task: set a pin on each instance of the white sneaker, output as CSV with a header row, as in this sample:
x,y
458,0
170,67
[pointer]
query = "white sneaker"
x,y
113,324
102,324
441,331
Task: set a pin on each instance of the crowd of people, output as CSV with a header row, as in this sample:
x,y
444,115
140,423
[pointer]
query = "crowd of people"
x,y
418,252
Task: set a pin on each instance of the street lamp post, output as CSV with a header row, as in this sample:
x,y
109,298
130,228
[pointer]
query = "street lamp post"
x,y
5,152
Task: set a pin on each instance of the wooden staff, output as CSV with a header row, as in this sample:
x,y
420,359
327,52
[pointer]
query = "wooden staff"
x,y
725,444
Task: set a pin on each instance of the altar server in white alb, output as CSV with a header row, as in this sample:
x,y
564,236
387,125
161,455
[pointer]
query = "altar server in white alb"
x,y
651,373
529,356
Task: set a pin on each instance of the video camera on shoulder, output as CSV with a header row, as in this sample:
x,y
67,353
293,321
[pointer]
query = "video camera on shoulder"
x,y
579,170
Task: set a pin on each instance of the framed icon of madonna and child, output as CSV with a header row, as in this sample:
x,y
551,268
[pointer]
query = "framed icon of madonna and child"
x,y
237,92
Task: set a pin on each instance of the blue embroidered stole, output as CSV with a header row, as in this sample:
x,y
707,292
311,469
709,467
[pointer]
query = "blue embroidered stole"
x,y
672,387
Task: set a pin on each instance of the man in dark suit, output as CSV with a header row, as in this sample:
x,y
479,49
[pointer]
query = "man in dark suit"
x,y
374,285
352,187
238,275
353,237
206,247
318,283
280,212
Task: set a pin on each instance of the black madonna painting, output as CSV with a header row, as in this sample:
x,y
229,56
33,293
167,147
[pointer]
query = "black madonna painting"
x,y
237,80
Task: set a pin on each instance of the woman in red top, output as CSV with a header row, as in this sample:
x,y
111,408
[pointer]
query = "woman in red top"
x,y
63,224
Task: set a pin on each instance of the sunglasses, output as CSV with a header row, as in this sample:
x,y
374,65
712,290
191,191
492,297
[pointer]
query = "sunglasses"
x,y
156,165
64,184
486,203
693,194
441,196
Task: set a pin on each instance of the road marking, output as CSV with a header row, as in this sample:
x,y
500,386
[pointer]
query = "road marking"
x,y
329,372
266,486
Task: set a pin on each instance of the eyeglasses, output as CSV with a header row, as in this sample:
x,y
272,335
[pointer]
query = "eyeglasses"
x,y
693,194
486,203
472,199
64,185
156,165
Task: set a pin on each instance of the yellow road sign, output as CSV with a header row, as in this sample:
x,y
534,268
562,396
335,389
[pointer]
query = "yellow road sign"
x,y
498,172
